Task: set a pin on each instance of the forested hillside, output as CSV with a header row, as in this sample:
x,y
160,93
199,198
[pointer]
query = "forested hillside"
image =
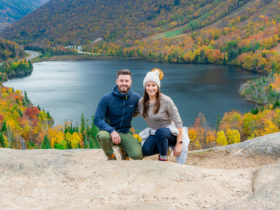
x,y
253,27
81,21
247,37
10,50
12,10
24,126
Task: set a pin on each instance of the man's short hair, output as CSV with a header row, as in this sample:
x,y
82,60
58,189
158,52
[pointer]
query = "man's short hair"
x,y
124,72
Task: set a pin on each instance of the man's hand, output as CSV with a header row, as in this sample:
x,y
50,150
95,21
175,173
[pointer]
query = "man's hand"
x,y
116,139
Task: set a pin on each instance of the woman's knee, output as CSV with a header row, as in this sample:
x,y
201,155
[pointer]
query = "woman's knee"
x,y
145,150
162,133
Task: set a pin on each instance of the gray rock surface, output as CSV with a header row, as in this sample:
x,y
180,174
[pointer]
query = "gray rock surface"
x,y
84,179
265,190
268,145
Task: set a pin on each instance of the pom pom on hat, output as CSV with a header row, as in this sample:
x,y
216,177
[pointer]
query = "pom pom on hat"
x,y
153,76
161,74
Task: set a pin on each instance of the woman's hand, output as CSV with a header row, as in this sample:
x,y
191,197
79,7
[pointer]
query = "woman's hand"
x,y
178,149
178,146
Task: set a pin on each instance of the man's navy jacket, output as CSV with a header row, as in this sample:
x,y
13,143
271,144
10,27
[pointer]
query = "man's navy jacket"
x,y
115,110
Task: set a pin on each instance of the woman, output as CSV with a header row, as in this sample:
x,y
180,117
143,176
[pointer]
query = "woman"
x,y
165,124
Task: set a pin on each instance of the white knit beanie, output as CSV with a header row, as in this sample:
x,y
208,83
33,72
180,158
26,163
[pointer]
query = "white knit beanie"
x,y
152,76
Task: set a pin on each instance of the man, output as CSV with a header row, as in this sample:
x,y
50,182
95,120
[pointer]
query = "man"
x,y
113,117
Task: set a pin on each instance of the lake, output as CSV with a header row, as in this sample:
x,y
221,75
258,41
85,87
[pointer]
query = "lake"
x,y
69,88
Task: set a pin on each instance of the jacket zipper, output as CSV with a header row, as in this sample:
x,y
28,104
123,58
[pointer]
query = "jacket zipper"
x,y
123,110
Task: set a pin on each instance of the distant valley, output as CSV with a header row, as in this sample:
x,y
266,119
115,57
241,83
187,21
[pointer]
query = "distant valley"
x,y
13,10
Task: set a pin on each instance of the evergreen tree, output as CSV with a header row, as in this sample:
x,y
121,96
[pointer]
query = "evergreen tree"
x,y
93,128
2,142
86,143
218,122
91,144
4,126
26,100
20,113
83,125
46,143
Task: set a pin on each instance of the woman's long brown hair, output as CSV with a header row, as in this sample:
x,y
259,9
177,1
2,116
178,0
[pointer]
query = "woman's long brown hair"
x,y
146,103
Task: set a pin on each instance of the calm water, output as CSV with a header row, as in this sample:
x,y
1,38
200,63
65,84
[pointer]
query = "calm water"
x,y
68,88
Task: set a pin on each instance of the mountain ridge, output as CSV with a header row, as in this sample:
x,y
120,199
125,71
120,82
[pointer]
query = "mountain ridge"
x,y
84,21
13,10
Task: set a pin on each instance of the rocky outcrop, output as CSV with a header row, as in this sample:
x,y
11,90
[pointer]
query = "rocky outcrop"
x,y
265,190
268,145
84,179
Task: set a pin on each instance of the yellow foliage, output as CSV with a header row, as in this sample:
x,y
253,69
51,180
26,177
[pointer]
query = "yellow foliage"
x,y
197,144
74,139
210,137
192,134
269,127
221,138
18,92
233,136
56,136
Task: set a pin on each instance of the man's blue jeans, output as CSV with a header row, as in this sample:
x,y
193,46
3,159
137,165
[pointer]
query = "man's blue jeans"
x,y
159,142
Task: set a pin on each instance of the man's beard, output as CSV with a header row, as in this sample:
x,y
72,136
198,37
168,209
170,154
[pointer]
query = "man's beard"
x,y
123,89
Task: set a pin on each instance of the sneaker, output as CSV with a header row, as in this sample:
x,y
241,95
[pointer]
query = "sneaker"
x,y
162,159
124,155
111,157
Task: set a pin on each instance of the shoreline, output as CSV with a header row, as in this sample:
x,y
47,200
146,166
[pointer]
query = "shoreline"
x,y
86,57
82,57
95,57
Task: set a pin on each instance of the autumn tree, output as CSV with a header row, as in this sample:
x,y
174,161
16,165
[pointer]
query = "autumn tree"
x,y
233,136
221,138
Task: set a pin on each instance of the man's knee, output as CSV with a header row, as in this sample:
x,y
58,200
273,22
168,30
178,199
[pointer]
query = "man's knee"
x,y
137,155
103,136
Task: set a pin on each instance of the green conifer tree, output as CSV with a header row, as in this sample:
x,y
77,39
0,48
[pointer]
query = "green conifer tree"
x,y
46,143
4,126
82,123
86,143
2,142
91,144
20,112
